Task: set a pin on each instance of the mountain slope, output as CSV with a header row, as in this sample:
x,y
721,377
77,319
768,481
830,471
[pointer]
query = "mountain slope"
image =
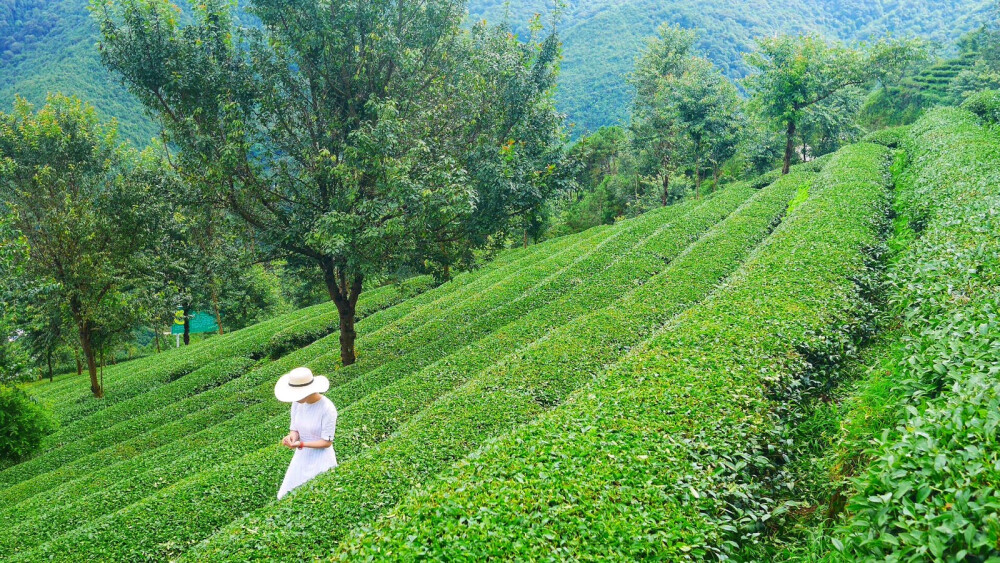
x,y
487,340
50,46
601,38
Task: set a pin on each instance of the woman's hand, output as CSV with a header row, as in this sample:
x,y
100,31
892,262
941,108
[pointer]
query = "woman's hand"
x,y
290,440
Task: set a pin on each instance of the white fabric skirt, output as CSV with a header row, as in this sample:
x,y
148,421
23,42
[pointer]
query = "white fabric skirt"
x,y
306,464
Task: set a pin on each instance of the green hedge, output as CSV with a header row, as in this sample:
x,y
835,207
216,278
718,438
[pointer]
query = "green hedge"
x,y
986,105
510,392
23,422
667,455
931,492
593,250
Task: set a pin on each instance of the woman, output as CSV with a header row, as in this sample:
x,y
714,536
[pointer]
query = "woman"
x,y
314,421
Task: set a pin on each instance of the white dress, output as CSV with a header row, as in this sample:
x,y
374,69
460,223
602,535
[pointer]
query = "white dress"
x,y
317,421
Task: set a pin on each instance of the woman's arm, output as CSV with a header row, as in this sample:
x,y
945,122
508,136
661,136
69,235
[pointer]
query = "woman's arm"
x,y
318,444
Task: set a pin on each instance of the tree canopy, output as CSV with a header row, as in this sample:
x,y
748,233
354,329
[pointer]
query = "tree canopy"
x,y
793,73
334,131
87,211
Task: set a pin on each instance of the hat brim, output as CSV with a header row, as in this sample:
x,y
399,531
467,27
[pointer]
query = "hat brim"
x,y
288,394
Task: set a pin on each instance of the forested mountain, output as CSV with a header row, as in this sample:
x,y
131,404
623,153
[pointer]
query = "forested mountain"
x,y
49,45
601,37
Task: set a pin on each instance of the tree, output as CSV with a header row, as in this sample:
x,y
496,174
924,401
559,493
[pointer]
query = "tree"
x,y
831,124
316,129
606,152
793,73
656,122
709,112
86,208
501,125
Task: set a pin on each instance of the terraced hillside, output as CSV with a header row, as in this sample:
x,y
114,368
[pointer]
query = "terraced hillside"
x,y
631,391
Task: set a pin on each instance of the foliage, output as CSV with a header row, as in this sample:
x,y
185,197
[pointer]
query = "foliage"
x,y
690,465
506,274
986,105
794,74
23,423
524,385
355,153
930,491
91,214
686,114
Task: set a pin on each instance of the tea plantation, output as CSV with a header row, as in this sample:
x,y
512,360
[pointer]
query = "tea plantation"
x,y
799,367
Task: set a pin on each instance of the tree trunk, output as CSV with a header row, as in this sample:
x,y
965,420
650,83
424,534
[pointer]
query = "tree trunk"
x,y
215,306
48,360
697,177
447,263
90,356
79,364
187,327
789,147
345,297
156,334
666,189
715,179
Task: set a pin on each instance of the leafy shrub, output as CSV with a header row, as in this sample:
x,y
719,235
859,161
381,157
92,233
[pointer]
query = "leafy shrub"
x,y
23,423
930,493
985,104
500,391
651,459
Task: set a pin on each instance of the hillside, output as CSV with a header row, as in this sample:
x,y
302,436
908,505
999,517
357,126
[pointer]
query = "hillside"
x,y
656,388
600,37
515,338
49,46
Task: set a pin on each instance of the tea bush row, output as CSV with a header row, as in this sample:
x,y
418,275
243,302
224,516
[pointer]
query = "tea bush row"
x,y
931,492
244,480
504,394
672,453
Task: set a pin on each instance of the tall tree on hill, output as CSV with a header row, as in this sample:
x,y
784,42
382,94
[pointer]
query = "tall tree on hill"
x,y
656,122
709,110
794,73
86,207
686,112
323,130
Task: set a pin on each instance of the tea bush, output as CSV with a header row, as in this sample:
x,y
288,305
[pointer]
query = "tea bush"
x,y
986,105
23,423
252,481
673,452
498,394
931,491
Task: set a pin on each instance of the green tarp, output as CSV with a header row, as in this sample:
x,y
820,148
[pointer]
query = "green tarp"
x,y
200,322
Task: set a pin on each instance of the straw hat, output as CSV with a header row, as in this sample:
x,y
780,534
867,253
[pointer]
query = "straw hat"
x,y
299,384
